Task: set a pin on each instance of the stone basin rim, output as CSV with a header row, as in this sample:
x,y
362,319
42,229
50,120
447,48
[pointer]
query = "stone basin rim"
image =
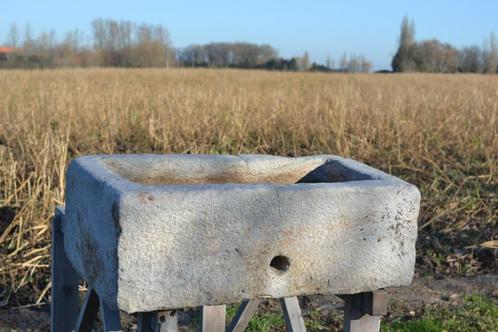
x,y
162,171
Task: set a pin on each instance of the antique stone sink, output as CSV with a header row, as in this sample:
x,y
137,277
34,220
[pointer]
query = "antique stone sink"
x,y
153,232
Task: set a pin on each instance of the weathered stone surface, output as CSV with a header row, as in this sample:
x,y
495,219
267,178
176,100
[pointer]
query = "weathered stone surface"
x,y
153,232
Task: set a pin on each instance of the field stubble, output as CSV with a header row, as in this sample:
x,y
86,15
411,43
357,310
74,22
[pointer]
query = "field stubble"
x,y
439,132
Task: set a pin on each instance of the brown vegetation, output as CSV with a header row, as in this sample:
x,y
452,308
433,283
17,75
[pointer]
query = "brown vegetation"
x,y
438,132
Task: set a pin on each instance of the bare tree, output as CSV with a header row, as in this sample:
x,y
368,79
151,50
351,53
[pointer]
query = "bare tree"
x,y
28,42
344,63
69,51
101,42
435,56
266,53
126,44
329,62
305,61
365,64
193,56
354,65
470,60
491,55
13,36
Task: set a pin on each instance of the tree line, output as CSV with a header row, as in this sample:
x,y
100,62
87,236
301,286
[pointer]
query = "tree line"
x,y
127,44
439,57
122,44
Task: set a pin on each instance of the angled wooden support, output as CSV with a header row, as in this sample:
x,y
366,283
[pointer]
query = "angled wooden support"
x,y
290,306
90,307
110,317
213,318
65,281
244,314
88,312
157,321
363,311
292,314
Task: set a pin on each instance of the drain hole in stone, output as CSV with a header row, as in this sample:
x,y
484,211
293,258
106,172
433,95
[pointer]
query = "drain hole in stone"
x,y
280,263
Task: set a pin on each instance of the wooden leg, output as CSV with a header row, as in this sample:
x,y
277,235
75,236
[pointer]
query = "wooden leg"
x,y
292,314
157,321
88,312
243,315
363,311
110,318
65,281
145,321
213,318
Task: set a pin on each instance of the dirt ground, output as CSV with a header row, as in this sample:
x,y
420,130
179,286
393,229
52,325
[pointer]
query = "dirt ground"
x,y
407,301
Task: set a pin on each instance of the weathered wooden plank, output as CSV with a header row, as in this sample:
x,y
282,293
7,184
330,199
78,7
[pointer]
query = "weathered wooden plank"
x,y
213,318
88,312
356,313
292,314
375,303
65,296
243,316
145,321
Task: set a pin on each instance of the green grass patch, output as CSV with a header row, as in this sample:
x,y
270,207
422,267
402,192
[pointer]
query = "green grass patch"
x,y
477,314
261,322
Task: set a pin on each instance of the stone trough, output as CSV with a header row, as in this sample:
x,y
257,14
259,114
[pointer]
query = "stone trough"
x,y
160,232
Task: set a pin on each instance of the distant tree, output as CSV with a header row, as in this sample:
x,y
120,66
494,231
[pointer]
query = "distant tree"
x,y
491,55
193,56
68,51
292,65
28,42
238,55
365,65
246,55
470,60
280,64
435,56
44,47
343,63
304,61
266,53
403,59
329,62
317,67
353,65
13,36
126,44
215,54
151,46
100,40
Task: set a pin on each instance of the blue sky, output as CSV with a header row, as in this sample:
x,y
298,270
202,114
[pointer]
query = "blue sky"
x,y
320,27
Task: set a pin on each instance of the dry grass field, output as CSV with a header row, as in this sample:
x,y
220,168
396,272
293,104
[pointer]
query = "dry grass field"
x,y
439,132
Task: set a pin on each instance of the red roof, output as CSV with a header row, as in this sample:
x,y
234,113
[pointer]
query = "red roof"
x,y
8,49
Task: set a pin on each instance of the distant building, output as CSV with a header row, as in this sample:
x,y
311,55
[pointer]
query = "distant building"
x,y
5,52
